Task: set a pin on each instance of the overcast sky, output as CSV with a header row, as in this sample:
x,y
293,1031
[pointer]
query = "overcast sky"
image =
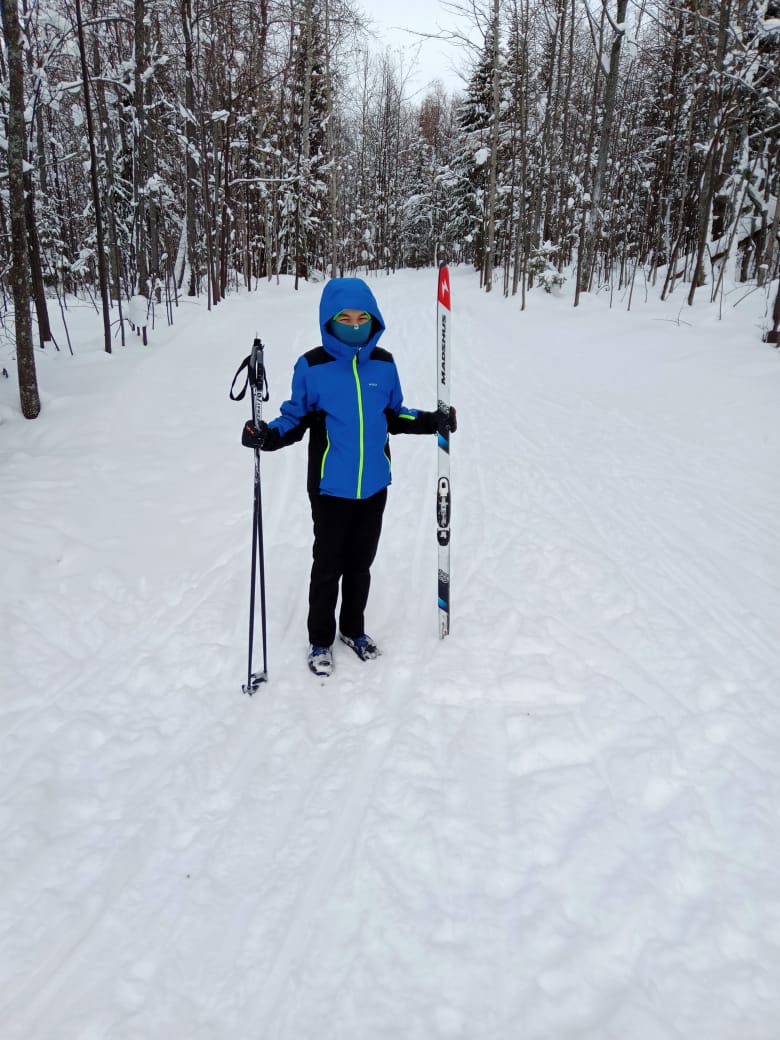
x,y
435,59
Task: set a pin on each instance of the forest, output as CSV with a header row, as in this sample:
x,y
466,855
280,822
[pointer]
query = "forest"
x,y
159,148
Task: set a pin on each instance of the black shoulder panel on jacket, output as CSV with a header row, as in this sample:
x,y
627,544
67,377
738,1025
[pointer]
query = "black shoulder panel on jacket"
x,y
378,354
317,356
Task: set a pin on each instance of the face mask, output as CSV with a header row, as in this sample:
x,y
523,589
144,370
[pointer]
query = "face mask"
x,y
351,335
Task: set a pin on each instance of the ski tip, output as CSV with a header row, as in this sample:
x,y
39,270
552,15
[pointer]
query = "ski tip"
x,y
444,286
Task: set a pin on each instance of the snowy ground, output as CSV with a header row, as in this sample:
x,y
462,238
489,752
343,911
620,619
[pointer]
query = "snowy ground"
x,y
561,822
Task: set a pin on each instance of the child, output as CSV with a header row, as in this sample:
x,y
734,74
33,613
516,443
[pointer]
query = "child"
x,y
347,394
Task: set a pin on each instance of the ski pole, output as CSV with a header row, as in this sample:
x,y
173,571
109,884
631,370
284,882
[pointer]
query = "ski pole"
x,y
258,385
257,381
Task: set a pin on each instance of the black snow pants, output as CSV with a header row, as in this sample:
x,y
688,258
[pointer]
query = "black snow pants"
x,y
346,537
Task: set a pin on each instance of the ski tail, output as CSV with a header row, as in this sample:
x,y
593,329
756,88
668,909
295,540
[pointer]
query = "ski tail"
x,y
443,489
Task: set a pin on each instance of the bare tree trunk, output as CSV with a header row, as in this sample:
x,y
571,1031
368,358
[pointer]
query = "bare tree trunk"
x,y
494,134
774,335
302,195
20,278
707,189
152,202
207,220
599,173
680,230
226,209
36,265
333,180
764,265
139,131
191,169
583,261
107,147
545,138
33,242
101,252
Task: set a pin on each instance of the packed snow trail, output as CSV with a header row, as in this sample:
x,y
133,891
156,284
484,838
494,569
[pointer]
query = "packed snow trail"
x,y
561,822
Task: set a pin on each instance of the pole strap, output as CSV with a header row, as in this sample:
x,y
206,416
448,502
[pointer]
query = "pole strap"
x,y
255,375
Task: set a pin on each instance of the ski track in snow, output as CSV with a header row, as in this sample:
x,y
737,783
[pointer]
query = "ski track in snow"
x,y
561,823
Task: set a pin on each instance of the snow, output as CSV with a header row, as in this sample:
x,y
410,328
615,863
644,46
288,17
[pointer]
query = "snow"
x,y
561,822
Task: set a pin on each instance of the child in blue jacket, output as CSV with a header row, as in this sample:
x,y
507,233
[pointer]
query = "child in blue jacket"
x,y
347,394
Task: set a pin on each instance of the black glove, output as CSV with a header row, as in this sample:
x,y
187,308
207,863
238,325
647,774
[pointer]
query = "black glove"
x,y
254,436
446,423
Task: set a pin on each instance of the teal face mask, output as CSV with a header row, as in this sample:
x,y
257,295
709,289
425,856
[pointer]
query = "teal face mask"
x,y
351,335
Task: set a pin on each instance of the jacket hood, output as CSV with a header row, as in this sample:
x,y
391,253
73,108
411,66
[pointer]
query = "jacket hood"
x,y
342,294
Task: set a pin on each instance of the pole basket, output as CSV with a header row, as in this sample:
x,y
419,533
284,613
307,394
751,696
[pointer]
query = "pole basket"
x,y
254,682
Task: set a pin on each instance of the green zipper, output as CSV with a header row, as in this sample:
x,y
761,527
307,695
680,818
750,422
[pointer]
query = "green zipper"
x,y
325,454
360,416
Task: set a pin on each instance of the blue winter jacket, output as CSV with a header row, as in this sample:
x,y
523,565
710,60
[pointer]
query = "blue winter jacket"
x,y
349,398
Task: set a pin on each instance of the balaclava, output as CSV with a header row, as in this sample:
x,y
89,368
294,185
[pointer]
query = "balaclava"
x,y
351,335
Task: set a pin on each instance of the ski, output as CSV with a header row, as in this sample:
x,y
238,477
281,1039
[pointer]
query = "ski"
x,y
443,493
